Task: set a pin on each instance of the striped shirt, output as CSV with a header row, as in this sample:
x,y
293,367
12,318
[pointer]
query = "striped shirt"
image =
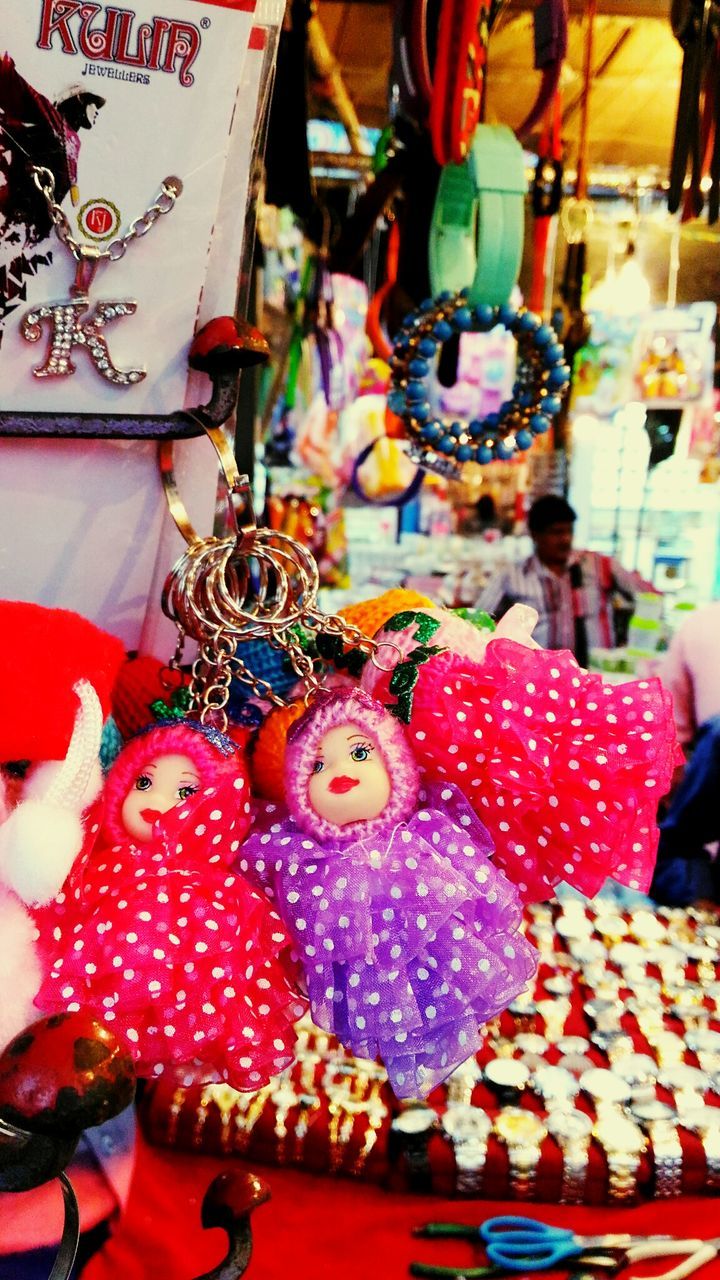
x,y
559,604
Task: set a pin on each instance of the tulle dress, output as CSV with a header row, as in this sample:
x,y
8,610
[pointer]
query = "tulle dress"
x,y
565,770
180,954
410,940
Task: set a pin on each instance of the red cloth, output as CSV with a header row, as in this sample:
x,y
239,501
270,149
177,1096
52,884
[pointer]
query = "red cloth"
x,y
316,1228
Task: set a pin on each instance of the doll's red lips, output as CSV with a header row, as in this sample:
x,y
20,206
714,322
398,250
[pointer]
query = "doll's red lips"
x,y
340,785
150,815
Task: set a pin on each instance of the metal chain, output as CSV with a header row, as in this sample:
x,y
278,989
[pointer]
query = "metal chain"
x,y
44,180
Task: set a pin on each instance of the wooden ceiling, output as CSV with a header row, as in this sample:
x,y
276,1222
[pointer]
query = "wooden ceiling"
x,y
636,72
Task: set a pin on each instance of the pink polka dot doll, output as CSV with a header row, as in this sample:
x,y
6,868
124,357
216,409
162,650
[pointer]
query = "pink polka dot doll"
x,y
565,770
154,931
409,936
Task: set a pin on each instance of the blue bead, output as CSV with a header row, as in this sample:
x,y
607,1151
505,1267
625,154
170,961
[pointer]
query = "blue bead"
x,y
410,320
485,316
504,449
483,454
464,453
558,377
553,354
507,315
545,335
446,445
476,428
539,424
420,410
445,296
426,346
551,405
528,322
396,401
401,341
492,420
427,304
431,432
442,330
457,429
462,318
506,407
523,439
525,399
418,368
415,391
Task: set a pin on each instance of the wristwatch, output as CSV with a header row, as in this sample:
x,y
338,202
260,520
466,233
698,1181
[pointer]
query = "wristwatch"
x,y
659,1121
687,1084
623,1143
572,1130
468,1129
556,1086
554,1013
573,1044
637,1069
705,1122
506,1077
410,1134
523,1133
612,928
604,1087
646,928
461,1083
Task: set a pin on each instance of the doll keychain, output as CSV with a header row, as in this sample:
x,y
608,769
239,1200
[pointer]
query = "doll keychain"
x,y
156,933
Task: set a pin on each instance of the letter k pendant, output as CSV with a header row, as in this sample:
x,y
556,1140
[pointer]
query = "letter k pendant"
x,y
68,330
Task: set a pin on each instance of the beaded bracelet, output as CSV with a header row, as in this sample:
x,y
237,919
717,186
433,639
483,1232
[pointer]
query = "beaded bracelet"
x,y
541,379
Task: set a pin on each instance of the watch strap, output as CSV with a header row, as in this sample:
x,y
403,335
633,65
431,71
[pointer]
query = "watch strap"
x,y
668,1159
575,1157
476,237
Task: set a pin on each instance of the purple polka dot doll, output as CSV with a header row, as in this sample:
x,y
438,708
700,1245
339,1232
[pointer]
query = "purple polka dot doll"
x,y
409,936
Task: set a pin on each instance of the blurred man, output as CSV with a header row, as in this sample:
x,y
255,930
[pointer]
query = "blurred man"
x,y
574,592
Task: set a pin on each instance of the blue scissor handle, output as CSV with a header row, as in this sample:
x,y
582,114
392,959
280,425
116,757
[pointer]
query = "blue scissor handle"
x,y
523,1244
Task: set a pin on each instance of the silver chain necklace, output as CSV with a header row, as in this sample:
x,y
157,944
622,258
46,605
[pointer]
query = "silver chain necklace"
x,y
67,329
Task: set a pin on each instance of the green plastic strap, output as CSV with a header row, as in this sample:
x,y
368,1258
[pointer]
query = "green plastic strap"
x,y
296,340
476,237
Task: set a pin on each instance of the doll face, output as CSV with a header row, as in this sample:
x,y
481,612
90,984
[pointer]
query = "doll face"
x,y
349,782
163,783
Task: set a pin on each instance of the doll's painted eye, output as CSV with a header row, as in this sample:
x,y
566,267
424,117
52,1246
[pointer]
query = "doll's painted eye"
x,y
186,791
318,766
360,753
143,783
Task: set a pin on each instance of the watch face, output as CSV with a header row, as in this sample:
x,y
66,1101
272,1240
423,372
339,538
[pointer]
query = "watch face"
x,y
572,926
651,1110
517,1127
576,1063
586,950
529,1042
465,1124
506,1073
611,926
415,1120
573,1044
555,1082
637,1068
569,1126
646,926
701,1119
558,985
703,1041
618,1134
627,953
604,1085
683,1077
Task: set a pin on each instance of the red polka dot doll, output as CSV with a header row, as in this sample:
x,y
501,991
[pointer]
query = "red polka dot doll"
x,y
564,770
154,931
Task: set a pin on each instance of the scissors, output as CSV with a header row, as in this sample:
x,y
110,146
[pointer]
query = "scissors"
x,y
526,1244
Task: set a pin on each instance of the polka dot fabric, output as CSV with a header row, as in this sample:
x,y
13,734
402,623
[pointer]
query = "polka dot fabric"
x,y
179,954
565,771
410,940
